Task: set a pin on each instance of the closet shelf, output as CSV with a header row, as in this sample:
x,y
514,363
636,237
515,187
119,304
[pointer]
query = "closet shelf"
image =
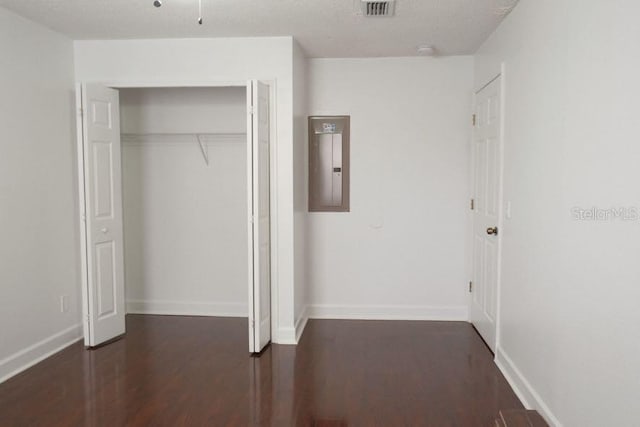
x,y
202,139
167,135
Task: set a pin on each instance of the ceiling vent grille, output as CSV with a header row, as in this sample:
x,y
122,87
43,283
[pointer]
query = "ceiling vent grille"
x,y
378,8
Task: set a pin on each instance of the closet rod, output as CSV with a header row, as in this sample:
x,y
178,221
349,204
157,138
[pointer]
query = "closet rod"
x,y
204,148
184,134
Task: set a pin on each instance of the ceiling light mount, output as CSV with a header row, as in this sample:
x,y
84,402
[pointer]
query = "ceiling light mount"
x,y
158,3
426,50
504,7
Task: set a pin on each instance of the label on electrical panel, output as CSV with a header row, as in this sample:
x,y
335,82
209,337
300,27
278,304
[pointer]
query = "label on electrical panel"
x,y
328,127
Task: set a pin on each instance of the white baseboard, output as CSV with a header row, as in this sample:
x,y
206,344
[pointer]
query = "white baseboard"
x,y
286,336
301,323
388,312
39,351
291,335
523,389
187,308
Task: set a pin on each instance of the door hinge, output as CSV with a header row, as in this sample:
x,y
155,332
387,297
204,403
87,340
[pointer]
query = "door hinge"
x,y
251,110
473,204
473,119
253,324
470,286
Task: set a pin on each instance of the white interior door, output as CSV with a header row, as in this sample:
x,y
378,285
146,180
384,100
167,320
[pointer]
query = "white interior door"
x,y
259,217
101,198
487,211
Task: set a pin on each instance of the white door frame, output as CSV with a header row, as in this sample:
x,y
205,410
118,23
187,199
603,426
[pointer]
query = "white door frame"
x,y
147,84
501,74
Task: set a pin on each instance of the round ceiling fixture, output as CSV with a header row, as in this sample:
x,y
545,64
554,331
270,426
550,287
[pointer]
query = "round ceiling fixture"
x,y
504,7
426,50
157,3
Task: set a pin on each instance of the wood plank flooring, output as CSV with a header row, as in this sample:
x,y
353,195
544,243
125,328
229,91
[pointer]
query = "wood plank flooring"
x,y
196,371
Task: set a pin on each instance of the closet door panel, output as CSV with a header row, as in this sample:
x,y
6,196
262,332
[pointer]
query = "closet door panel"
x,y
102,215
260,283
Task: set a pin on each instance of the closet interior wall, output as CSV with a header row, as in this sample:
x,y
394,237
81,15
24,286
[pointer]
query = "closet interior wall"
x,y
185,200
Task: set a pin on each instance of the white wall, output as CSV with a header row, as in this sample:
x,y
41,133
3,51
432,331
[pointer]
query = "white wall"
x,y
38,228
224,59
185,221
300,186
569,336
184,110
399,253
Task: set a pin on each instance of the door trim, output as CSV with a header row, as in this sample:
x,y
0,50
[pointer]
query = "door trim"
x,y
81,215
501,200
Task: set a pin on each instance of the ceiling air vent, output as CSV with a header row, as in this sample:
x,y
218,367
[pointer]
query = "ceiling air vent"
x,y
378,8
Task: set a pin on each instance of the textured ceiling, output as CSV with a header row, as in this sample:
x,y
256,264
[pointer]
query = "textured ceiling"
x,y
324,28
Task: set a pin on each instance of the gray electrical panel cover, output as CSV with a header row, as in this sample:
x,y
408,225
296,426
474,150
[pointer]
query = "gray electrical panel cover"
x,y
329,163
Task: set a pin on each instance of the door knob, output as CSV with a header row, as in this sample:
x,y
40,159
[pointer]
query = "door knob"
x,y
104,230
492,231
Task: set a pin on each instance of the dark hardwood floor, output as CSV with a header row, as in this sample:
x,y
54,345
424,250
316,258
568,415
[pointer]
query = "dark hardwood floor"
x,y
196,371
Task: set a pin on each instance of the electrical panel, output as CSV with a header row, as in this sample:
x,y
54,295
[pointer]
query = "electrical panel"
x,y
329,163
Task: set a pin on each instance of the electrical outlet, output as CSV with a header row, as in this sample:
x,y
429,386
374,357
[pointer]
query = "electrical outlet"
x,y
64,307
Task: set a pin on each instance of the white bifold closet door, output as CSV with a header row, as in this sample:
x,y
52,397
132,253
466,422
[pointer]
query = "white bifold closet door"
x,y
100,172
101,214
259,216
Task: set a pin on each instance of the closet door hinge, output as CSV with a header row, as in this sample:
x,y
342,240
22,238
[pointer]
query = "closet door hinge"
x,y
251,110
470,287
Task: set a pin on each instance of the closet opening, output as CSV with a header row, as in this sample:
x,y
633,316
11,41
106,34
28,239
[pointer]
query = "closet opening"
x,y
184,184
175,201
